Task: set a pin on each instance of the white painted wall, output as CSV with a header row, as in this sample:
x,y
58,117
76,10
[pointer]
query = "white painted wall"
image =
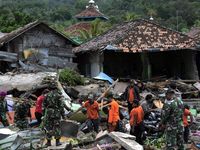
x,y
96,64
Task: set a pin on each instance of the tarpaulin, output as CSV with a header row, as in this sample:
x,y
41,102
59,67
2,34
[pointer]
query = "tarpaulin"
x,y
105,77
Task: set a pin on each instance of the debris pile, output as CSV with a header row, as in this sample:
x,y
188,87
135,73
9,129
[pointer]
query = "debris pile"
x,y
30,86
152,122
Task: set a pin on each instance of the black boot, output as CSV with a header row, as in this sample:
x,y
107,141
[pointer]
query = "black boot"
x,y
48,143
58,142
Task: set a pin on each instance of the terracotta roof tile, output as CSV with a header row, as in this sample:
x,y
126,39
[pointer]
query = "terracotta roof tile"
x,y
90,12
195,33
74,29
139,35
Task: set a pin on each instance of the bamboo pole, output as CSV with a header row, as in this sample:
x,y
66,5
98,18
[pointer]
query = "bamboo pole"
x,y
100,98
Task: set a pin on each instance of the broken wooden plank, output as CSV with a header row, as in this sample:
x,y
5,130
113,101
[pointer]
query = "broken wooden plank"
x,y
7,56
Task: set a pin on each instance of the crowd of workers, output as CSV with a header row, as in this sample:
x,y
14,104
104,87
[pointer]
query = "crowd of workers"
x,y
50,110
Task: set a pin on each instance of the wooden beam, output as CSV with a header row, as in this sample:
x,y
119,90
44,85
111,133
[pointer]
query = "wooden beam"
x,y
7,56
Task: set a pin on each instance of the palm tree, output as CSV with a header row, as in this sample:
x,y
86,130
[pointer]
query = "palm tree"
x,y
97,28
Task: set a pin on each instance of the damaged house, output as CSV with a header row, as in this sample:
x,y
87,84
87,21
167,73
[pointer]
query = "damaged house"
x,y
139,49
36,43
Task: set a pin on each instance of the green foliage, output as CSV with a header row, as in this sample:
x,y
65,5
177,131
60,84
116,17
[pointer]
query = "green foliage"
x,y
129,16
16,13
71,78
197,23
156,144
97,27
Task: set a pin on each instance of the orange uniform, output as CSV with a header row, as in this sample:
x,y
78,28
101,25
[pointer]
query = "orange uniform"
x,y
131,95
92,110
185,117
113,117
136,115
113,112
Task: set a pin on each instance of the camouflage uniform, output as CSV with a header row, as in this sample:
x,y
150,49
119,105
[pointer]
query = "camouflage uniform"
x,y
22,111
53,111
172,119
3,110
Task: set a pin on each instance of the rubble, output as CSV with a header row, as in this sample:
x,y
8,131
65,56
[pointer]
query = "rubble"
x,y
22,139
23,82
114,140
30,85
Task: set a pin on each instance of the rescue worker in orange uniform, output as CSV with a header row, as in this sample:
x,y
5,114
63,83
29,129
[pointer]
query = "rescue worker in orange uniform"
x,y
185,122
136,122
92,107
131,94
113,114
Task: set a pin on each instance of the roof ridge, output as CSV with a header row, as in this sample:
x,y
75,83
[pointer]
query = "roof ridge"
x,y
21,30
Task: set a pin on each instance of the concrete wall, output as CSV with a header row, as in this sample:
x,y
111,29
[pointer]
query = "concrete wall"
x,y
38,37
191,71
96,61
90,64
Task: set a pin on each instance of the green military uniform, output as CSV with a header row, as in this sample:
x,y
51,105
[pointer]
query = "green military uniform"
x,y
3,110
172,119
22,111
53,111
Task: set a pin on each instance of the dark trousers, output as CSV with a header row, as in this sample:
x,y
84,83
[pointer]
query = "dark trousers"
x,y
95,124
38,116
186,134
130,107
138,133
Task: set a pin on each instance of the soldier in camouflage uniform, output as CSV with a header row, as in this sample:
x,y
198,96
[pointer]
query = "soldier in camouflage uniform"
x,y
22,113
3,109
53,110
172,122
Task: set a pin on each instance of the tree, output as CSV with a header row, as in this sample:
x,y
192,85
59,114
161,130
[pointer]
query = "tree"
x,y
97,28
131,16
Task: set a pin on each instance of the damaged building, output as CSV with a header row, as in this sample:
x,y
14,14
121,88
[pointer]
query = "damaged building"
x,y
139,49
36,43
